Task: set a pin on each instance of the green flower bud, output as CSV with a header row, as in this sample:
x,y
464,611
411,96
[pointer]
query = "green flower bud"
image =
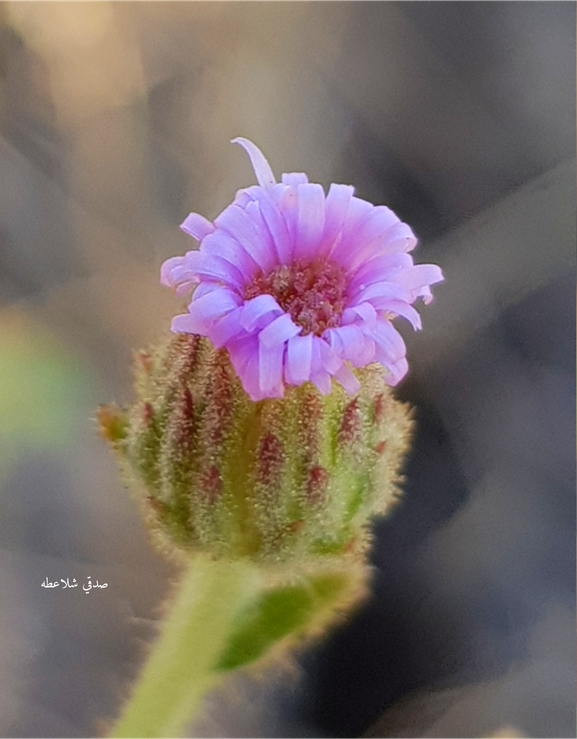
x,y
279,481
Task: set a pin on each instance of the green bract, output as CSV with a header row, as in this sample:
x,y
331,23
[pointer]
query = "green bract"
x,y
274,481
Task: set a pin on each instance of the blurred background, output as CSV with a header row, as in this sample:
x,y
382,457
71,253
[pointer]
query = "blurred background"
x,y
115,120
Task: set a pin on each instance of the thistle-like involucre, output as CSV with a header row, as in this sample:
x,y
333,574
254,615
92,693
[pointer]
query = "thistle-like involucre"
x,y
283,479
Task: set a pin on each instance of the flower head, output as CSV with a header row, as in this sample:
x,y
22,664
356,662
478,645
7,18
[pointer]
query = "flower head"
x,y
300,286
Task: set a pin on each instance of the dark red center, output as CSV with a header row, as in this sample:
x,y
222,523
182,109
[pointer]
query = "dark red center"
x,y
312,293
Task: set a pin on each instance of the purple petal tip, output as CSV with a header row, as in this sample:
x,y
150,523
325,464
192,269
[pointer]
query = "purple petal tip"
x,y
262,170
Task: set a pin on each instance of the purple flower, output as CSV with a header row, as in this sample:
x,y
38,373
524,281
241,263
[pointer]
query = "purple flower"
x,y
299,285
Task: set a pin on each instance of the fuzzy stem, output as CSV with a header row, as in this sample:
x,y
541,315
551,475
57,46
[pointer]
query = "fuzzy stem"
x,y
181,668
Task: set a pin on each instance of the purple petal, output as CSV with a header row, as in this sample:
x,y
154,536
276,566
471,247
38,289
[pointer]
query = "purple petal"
x,y
247,194
378,223
270,368
347,379
366,355
205,287
382,290
214,267
258,308
322,381
226,329
320,376
279,331
288,206
183,324
359,242
364,311
330,361
419,276
396,371
347,341
379,268
399,239
167,270
256,242
262,170
294,179
204,311
390,344
242,350
336,206
222,245
426,294
357,213
399,308
253,210
335,341
310,221
298,359
277,228
359,355
197,226
176,274
245,360
243,198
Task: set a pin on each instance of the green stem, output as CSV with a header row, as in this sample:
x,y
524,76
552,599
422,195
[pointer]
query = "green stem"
x,y
182,666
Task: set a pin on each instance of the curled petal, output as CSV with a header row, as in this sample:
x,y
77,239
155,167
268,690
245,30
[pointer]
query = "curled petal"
x,y
322,381
399,239
357,212
417,280
226,247
336,207
361,243
366,355
197,226
426,294
279,331
249,234
346,341
245,360
205,287
363,311
390,344
202,312
226,329
330,360
347,379
294,179
310,220
270,367
396,371
262,170
382,291
381,267
213,267
298,359
288,206
243,198
175,273
399,308
255,310
183,324
277,227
